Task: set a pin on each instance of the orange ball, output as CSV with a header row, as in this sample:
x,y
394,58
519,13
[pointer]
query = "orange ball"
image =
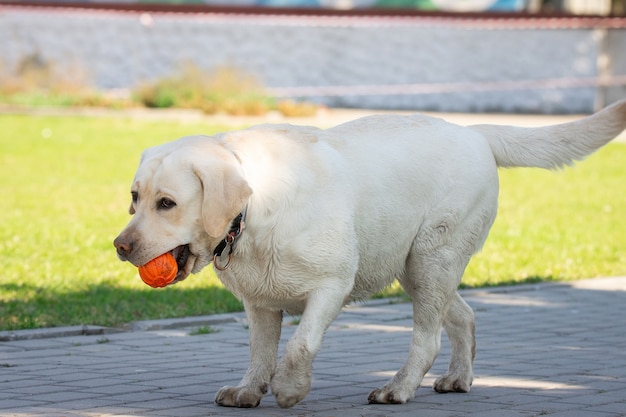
x,y
160,271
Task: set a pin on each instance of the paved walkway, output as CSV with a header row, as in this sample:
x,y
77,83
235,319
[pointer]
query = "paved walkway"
x,y
548,349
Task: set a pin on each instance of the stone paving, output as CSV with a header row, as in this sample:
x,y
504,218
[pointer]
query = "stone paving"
x,y
547,349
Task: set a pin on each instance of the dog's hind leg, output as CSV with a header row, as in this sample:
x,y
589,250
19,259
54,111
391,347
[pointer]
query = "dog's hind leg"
x,y
459,325
431,283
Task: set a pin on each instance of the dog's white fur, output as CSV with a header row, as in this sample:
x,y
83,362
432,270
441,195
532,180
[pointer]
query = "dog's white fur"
x,y
335,215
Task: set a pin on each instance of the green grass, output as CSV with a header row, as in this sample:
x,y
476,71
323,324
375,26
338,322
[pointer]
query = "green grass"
x,y
202,330
65,185
561,225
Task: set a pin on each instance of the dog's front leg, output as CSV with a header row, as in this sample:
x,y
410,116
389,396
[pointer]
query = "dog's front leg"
x,y
264,333
292,381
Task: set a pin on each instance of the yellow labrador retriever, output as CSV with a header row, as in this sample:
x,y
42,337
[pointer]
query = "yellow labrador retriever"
x,y
303,220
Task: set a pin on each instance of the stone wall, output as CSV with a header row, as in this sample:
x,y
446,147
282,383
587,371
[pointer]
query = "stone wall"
x,y
442,64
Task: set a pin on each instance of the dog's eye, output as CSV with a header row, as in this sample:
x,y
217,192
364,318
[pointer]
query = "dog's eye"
x,y
166,204
135,196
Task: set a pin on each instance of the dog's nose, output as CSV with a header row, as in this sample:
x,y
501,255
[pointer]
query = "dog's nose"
x,y
123,247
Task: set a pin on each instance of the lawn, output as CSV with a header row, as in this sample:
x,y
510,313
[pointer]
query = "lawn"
x,y
65,181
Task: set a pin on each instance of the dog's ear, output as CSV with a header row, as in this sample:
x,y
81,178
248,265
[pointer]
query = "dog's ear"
x,y
225,193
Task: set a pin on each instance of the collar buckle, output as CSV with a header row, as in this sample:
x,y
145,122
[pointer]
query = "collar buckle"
x,y
234,232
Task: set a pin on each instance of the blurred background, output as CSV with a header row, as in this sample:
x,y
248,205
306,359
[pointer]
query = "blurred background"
x,y
512,56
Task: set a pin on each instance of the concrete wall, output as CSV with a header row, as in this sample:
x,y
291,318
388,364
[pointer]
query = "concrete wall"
x,y
392,63
615,62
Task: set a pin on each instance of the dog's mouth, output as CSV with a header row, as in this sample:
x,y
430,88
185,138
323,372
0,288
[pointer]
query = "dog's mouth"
x,y
182,254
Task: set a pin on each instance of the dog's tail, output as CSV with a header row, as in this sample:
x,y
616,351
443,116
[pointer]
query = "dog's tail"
x,y
554,146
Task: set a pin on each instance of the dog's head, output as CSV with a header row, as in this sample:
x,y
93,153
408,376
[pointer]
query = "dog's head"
x,y
184,196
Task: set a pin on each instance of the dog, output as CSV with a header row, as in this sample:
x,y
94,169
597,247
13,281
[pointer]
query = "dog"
x,y
303,221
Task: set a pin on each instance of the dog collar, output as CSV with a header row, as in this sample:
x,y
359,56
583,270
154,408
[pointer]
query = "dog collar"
x,y
236,227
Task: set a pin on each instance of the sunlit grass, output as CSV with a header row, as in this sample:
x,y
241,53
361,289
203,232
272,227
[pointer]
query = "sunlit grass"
x,y
65,187
65,184
558,225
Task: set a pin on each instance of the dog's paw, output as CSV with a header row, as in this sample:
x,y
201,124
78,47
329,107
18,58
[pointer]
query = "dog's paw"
x,y
388,395
453,383
242,397
290,390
